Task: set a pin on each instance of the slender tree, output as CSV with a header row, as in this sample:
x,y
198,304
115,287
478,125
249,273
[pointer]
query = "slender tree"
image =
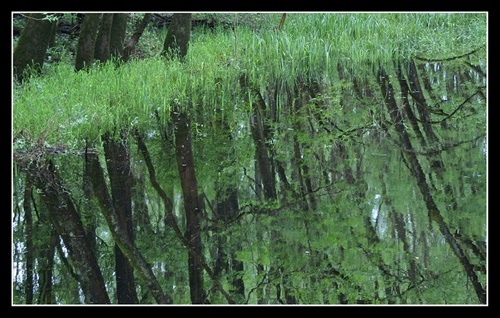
x,y
176,44
127,50
417,171
120,234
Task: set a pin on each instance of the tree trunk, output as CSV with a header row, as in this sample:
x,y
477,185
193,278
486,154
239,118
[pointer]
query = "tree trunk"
x,y
179,32
102,45
32,45
117,37
135,37
225,211
185,165
171,217
258,128
86,42
45,268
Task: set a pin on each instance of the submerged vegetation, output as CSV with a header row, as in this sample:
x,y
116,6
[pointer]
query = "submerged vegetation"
x,y
341,159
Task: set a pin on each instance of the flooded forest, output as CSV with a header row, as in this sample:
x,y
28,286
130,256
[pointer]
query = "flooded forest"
x,y
249,158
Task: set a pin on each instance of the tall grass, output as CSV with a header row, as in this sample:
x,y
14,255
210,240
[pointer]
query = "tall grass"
x,y
74,106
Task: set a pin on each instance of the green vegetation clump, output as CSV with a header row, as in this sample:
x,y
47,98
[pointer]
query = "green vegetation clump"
x,y
311,47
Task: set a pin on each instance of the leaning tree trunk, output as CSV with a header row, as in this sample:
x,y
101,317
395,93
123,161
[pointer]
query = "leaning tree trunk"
x,y
119,233
127,50
32,45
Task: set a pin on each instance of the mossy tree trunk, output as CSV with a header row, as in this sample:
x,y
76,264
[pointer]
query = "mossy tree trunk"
x,y
117,38
32,45
86,41
102,47
179,32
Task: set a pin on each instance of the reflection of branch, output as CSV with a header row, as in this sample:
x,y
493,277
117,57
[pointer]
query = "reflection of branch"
x,y
452,113
475,68
256,287
445,147
266,280
448,58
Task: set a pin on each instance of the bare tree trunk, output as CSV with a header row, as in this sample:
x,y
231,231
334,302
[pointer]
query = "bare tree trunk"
x,y
102,46
179,32
86,42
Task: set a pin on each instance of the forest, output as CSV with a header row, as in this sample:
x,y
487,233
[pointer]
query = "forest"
x,y
249,158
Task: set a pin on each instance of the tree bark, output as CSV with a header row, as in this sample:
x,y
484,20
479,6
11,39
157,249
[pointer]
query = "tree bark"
x,y
86,42
179,32
117,37
102,46
32,45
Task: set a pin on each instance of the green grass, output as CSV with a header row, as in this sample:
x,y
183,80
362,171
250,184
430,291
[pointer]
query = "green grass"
x,y
74,106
